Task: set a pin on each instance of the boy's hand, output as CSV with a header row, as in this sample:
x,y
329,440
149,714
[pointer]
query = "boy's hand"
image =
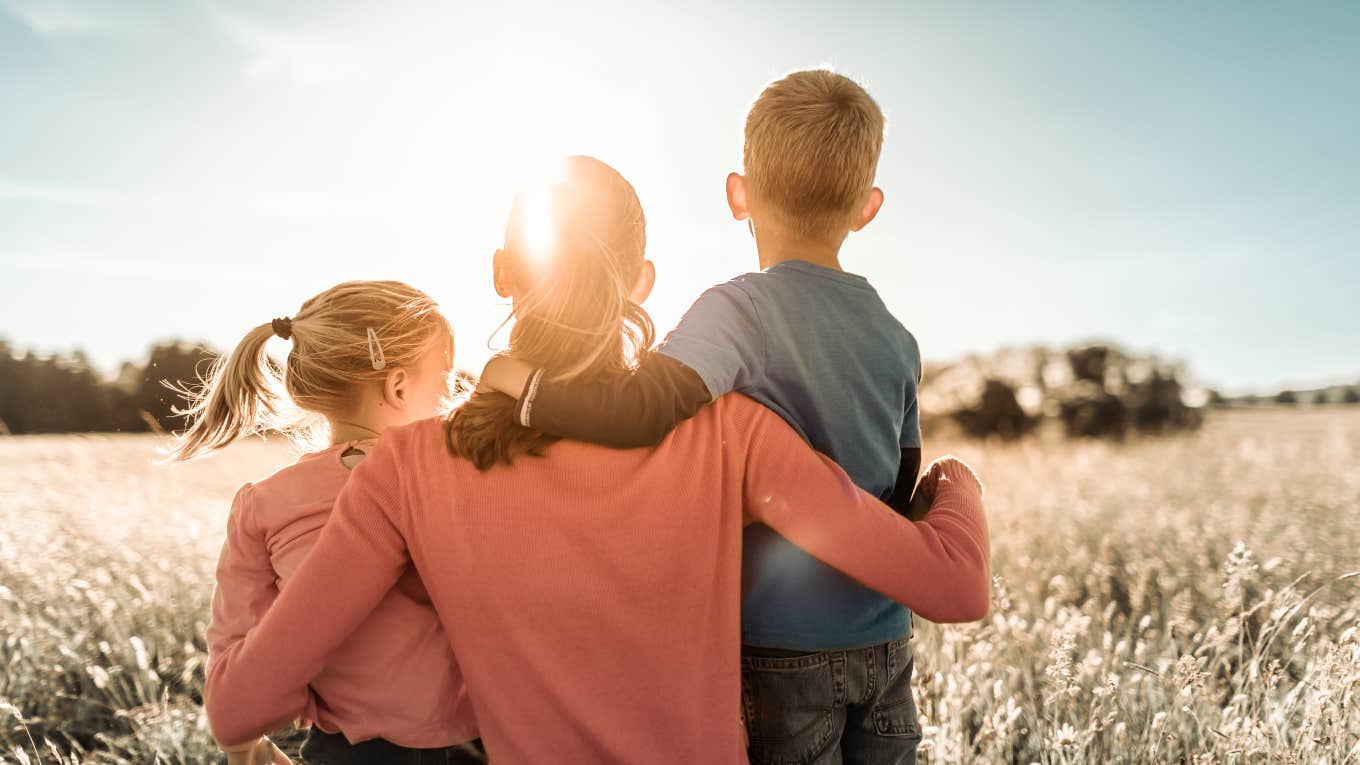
x,y
504,374
262,752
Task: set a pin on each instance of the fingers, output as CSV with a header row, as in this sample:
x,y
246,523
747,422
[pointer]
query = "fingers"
x,y
948,467
278,758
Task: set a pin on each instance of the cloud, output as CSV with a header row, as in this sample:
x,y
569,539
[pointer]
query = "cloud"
x,y
113,266
278,53
298,204
19,191
50,18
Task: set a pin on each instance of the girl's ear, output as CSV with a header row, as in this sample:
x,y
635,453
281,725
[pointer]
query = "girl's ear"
x,y
500,275
396,389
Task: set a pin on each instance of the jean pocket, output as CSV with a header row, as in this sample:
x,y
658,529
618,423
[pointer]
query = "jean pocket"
x,y
895,709
898,719
791,706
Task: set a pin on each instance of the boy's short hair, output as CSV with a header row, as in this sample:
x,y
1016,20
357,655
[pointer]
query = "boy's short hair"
x,y
812,145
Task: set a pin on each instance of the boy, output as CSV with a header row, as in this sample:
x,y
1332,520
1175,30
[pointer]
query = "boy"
x,y
826,662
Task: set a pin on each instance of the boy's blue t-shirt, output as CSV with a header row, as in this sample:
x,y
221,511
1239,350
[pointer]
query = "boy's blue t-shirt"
x,y
819,347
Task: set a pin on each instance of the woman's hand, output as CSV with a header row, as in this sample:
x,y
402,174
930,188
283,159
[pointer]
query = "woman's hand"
x,y
262,752
929,484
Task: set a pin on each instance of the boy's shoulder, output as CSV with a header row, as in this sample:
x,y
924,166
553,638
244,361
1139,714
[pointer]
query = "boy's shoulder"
x,y
794,282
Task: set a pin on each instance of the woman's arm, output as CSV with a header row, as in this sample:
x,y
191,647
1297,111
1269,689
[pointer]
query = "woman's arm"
x,y
938,567
260,681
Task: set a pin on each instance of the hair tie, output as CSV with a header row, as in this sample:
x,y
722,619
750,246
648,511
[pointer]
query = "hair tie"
x,y
375,351
283,327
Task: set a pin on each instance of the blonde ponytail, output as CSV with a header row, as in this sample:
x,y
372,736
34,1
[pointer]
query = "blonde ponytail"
x,y
351,335
239,397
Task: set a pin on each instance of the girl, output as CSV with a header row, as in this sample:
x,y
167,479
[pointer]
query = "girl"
x,y
366,356
592,595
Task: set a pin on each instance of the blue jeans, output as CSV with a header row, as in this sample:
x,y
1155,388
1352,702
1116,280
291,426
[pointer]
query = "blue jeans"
x,y
853,706
322,748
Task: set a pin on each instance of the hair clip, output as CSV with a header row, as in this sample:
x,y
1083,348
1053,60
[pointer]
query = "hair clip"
x,y
375,351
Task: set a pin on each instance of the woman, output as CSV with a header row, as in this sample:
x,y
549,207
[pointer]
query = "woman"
x,y
591,596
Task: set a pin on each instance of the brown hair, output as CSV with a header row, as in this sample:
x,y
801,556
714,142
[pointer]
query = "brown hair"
x,y
576,246
348,336
811,151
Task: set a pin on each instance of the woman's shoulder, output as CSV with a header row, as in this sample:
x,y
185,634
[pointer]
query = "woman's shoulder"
x,y
732,412
408,445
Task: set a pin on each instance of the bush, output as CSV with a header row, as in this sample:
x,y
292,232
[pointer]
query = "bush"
x,y
1094,390
64,394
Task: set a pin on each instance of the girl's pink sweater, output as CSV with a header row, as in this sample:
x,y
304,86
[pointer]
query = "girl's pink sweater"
x,y
394,677
592,596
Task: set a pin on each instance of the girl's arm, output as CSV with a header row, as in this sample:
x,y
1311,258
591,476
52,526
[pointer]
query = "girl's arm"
x,y
937,567
261,681
246,587
246,582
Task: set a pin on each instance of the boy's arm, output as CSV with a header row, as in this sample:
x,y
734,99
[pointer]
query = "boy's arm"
x,y
907,471
259,682
938,567
627,412
716,348
903,498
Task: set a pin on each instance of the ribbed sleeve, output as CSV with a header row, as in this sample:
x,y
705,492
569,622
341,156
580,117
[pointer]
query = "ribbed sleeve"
x,y
260,682
938,567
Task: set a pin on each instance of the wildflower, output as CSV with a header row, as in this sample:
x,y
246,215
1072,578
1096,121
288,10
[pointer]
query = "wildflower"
x,y
1189,674
139,648
99,675
1065,737
1062,646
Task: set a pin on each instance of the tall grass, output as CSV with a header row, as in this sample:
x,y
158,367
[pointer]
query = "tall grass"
x,y
1189,600
1171,600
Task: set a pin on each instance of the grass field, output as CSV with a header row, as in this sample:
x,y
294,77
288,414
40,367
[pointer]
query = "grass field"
x,y
1192,599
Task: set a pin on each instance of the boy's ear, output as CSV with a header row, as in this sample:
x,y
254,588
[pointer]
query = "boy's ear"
x,y
500,274
395,389
871,208
645,281
736,196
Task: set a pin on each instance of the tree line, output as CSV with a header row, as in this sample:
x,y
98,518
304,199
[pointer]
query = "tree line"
x,y
66,394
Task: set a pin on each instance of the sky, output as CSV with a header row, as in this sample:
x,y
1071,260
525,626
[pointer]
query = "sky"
x,y
1181,178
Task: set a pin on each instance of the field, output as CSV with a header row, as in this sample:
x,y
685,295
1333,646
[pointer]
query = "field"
x,y
1192,599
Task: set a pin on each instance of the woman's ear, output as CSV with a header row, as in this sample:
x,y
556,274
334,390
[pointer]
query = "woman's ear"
x,y
396,389
645,281
500,275
736,196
